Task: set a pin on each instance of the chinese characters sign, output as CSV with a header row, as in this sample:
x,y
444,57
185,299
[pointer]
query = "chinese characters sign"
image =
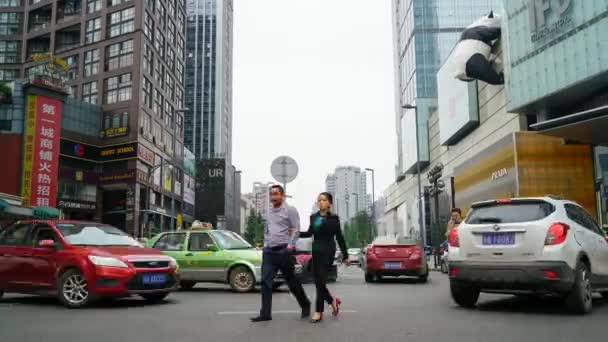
x,y
41,152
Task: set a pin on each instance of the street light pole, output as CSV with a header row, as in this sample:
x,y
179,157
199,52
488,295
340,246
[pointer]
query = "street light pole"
x,y
235,201
373,206
421,222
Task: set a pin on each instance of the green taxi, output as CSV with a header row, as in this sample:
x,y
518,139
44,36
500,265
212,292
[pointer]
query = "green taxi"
x,y
212,256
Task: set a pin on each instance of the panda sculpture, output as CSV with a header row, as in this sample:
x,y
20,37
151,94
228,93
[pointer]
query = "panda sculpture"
x,y
472,53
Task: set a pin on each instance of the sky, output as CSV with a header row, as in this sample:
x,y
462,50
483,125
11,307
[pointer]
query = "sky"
x,y
313,79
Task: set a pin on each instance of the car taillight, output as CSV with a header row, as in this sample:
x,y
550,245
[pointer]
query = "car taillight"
x,y
557,234
453,239
417,254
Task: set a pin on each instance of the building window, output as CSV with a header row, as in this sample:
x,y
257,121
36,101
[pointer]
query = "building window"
x,y
91,63
180,47
148,59
171,9
179,96
168,141
10,23
159,72
171,29
145,124
160,44
117,2
180,21
7,75
179,125
120,55
115,124
72,72
9,51
93,6
89,92
73,92
150,5
170,86
118,88
147,89
158,103
93,32
149,27
168,115
162,15
122,22
170,58
10,3
157,133
179,72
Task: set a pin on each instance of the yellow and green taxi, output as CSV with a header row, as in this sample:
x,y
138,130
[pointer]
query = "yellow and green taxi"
x,y
216,256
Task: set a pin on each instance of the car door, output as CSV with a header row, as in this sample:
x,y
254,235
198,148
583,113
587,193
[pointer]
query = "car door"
x,y
43,261
13,249
208,265
600,247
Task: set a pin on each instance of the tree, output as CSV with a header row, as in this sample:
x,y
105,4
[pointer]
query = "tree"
x,y
254,233
362,225
350,235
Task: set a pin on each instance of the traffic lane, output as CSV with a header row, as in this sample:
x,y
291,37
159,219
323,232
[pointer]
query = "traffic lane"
x,y
388,311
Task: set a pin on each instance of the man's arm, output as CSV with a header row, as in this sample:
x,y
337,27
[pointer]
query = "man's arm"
x,y
294,225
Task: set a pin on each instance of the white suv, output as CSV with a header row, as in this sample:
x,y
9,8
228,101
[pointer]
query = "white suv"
x,y
540,245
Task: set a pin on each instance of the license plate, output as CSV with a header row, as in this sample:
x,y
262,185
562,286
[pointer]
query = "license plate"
x,y
493,239
392,265
154,279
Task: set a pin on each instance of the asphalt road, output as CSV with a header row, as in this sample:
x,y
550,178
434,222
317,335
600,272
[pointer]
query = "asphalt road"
x,y
399,310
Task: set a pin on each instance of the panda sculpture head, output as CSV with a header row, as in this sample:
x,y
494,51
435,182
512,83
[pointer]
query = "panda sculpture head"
x,y
485,29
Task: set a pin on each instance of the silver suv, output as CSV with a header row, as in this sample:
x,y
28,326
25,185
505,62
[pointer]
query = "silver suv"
x,y
540,245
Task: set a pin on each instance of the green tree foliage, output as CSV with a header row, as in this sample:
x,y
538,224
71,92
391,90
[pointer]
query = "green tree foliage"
x,y
358,231
254,233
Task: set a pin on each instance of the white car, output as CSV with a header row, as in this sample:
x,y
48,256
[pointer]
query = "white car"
x,y
540,245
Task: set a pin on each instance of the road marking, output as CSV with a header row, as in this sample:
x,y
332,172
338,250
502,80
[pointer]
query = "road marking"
x,y
279,312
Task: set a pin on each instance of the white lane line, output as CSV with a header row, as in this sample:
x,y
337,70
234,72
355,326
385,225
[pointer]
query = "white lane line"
x,y
275,312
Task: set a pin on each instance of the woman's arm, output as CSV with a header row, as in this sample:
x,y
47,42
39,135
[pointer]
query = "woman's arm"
x,y
308,233
340,238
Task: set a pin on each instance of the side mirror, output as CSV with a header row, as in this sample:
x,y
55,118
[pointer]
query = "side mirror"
x,y
213,248
47,244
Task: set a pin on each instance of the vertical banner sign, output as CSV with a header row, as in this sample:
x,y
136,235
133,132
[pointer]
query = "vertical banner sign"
x,y
41,153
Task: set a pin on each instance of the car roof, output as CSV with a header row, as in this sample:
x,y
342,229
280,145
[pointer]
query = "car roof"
x,y
55,222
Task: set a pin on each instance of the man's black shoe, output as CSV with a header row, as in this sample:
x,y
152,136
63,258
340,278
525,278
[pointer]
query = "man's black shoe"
x,y
306,313
260,319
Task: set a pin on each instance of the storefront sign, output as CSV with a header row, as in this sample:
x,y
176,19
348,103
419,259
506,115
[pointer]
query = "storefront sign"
x,y
99,154
188,189
499,174
115,132
78,205
50,82
145,154
124,176
41,160
541,24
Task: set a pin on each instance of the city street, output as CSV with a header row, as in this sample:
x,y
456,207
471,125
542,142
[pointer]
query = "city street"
x,y
390,311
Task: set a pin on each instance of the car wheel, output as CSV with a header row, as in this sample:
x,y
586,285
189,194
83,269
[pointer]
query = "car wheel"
x,y
187,285
604,294
1,294
155,297
464,295
369,278
580,298
424,278
242,280
73,289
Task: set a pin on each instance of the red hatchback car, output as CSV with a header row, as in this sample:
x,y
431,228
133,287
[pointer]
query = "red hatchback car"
x,y
392,257
80,261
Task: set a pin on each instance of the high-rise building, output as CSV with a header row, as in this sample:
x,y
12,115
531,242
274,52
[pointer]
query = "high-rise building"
x,y
208,130
261,196
424,32
128,58
348,185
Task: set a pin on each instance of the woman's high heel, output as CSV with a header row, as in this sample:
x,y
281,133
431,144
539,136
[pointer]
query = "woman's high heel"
x,y
315,318
336,306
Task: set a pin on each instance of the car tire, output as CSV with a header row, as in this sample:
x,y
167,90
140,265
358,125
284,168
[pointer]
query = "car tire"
x,y
242,280
1,294
464,295
155,297
369,278
187,284
580,298
424,278
604,294
73,290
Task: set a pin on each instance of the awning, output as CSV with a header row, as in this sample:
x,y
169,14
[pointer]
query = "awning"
x,y
588,127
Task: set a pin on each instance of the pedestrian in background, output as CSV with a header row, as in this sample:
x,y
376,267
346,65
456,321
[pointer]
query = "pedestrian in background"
x,y
281,227
326,229
455,219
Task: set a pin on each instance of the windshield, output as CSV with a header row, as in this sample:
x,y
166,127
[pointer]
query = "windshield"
x,y
229,240
510,213
91,234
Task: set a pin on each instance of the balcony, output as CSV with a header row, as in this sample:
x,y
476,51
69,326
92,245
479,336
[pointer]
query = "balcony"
x,y
40,18
67,38
38,45
68,10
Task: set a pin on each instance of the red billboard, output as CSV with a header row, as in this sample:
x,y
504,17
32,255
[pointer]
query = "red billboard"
x,y
41,151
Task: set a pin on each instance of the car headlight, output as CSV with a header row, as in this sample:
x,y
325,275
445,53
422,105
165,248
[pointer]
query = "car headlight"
x,y
107,261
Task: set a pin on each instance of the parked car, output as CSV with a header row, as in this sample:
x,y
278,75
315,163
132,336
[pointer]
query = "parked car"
x,y
354,256
395,257
213,256
80,262
304,271
540,245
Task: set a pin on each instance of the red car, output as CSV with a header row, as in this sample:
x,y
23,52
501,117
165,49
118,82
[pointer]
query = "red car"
x,y
392,257
80,262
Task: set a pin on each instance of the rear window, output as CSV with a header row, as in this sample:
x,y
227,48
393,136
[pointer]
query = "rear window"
x,y
510,212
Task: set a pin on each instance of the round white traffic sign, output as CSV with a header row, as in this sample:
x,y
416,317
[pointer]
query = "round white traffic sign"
x,y
284,169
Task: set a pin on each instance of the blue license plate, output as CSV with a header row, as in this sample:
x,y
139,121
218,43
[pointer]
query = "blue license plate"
x,y
154,279
392,265
493,239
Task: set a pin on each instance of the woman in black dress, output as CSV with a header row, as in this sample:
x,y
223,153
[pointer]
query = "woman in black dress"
x,y
326,229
